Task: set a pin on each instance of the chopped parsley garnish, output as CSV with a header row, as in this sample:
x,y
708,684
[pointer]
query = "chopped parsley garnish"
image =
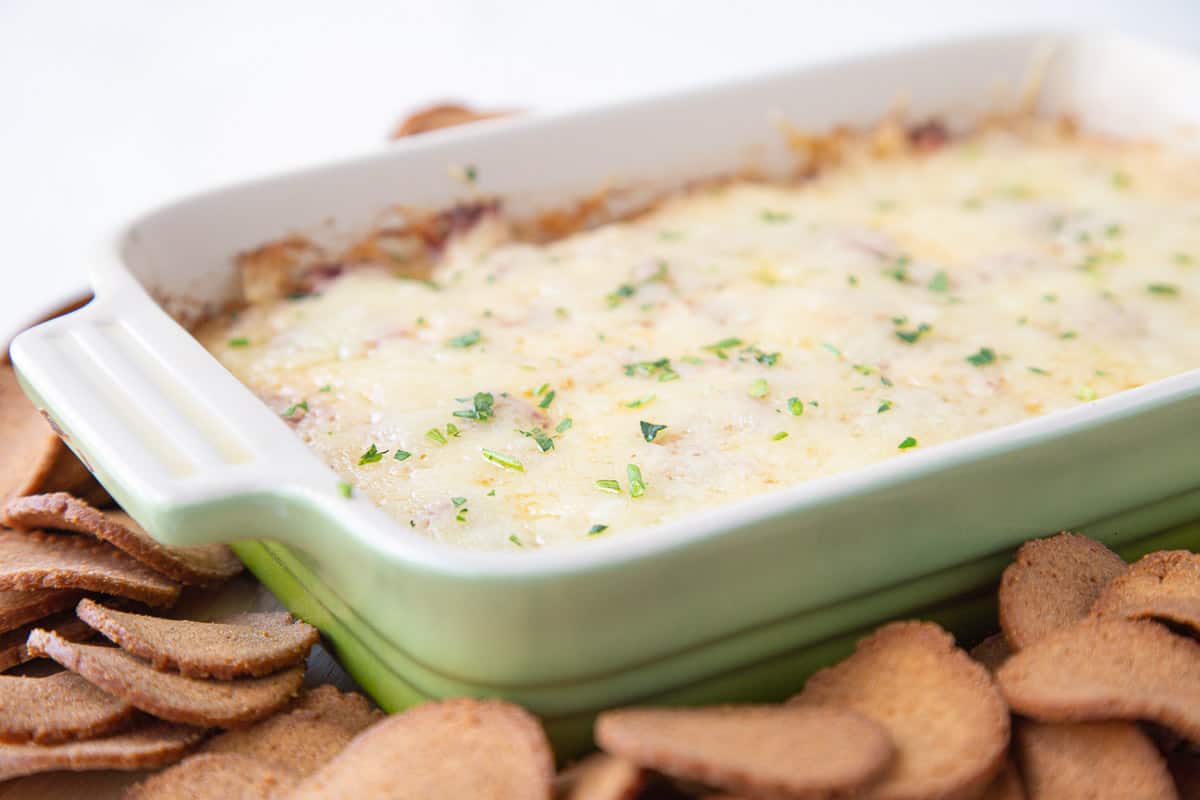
x,y
547,399
832,349
720,347
512,537
500,459
1068,334
402,455
650,430
541,390
481,407
622,292
898,271
1183,259
637,487
885,405
592,531
760,355
452,429
852,280
239,341
795,406
775,217
345,489
1163,289
544,442
492,493
907,443
461,516
1049,298
864,369
326,388
1038,371
458,501
372,455
609,485
1120,180
294,407
758,388
940,282
661,368
471,173
641,401
915,334
986,355
565,425
434,435
1112,230
467,339
780,435
1085,393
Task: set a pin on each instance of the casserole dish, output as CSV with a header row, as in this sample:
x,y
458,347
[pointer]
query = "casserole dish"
x,y
736,604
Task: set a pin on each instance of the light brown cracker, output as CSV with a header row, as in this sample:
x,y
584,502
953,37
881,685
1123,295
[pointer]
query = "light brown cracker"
x,y
153,744
1106,669
790,751
258,644
58,708
1164,585
1051,584
947,720
441,115
63,561
1090,761
215,776
168,695
601,776
31,447
992,652
21,608
13,651
481,749
1006,785
201,565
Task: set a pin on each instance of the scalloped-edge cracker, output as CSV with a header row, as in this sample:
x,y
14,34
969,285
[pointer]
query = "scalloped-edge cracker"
x,y
601,776
1052,583
789,751
216,776
13,650
439,116
1006,785
481,749
1164,586
20,608
37,560
257,644
947,720
1108,669
57,708
1090,760
200,565
148,746
992,652
168,695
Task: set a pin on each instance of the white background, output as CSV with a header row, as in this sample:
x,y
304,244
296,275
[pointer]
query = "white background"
x,y
110,106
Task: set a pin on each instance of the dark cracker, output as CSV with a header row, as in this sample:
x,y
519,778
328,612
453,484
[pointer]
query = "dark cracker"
x,y
1108,669
57,708
1163,586
601,776
168,695
215,776
992,652
31,447
481,749
1069,761
258,644
1051,584
148,746
201,565
788,751
13,651
21,608
947,720
65,561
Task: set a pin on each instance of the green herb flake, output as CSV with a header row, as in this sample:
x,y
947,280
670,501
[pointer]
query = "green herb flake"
x,y
512,537
645,399
461,516
660,368
458,501
1112,230
468,339
326,388
637,486
775,217
500,459
544,442
1068,335
1120,180
492,493
435,435
622,292
650,430
940,282
345,489
294,407
239,341
832,349
402,455
911,337
1166,289
452,429
471,173
863,369
481,407
547,399
907,443
565,425
1049,298
592,531
1085,393
758,388
885,405
985,356
898,271
720,347
795,406
372,455
779,436
1183,259
608,485
1038,371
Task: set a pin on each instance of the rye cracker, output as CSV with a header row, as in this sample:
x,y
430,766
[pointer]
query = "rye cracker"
x,y
201,565
1090,760
215,776
601,776
258,644
21,608
946,718
992,651
31,447
1052,583
318,726
482,749
1006,785
168,695
57,708
1163,586
441,115
13,651
150,745
1108,669
39,560
786,751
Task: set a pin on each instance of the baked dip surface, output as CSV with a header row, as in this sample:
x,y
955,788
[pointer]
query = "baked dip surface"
x,y
737,339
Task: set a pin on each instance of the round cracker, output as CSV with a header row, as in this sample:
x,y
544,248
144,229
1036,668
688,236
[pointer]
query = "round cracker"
x,y
21,608
150,745
13,650
1062,761
601,776
1106,669
992,651
201,565
439,116
1164,585
258,644
215,776
1051,584
31,447
168,695
57,708
789,751
947,720
63,561
482,749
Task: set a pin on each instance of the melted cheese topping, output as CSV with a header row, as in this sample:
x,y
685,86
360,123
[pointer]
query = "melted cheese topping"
x,y
780,333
